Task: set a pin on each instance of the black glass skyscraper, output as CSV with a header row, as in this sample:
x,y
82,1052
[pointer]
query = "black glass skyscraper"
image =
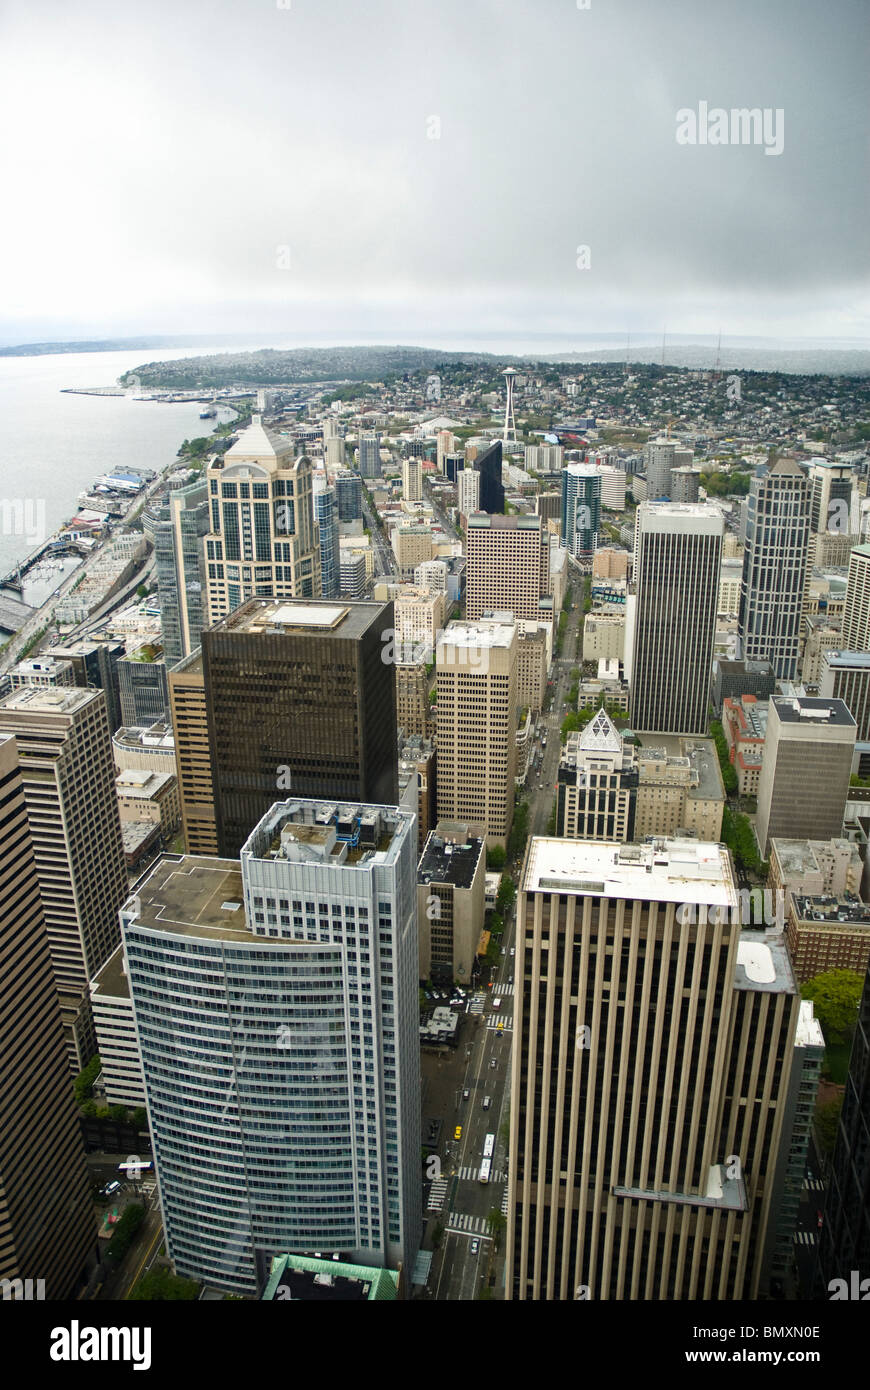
x,y
488,465
299,702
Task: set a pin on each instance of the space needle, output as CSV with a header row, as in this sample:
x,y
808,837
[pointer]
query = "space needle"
x,y
510,428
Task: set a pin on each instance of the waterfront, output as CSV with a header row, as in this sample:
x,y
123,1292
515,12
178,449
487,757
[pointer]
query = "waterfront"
x,y
54,445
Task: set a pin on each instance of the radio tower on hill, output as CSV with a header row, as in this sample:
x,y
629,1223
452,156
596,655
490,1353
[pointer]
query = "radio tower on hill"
x,y
510,427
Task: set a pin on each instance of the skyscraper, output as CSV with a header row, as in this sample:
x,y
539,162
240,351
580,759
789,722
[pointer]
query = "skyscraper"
x,y
488,465
177,526
348,492
596,792
192,756
652,1050
774,567
581,509
468,491
68,774
476,674
805,769
369,455
263,537
676,571
507,566
834,503
412,480
290,1118
856,610
47,1228
327,523
300,697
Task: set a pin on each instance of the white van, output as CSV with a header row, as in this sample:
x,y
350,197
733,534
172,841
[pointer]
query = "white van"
x,y
487,1102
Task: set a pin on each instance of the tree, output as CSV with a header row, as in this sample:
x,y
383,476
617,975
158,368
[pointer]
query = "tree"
x,y
507,893
826,1121
835,995
162,1284
83,1085
496,858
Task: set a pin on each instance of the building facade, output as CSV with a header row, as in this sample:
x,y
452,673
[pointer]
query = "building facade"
x,y
774,567
291,1118
676,570
299,698
262,537
47,1227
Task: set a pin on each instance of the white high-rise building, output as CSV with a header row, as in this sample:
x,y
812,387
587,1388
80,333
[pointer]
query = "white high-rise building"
x,y
412,479
678,551
856,610
468,491
276,1005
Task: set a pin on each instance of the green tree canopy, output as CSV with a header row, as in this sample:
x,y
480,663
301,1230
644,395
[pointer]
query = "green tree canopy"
x,y
162,1284
835,995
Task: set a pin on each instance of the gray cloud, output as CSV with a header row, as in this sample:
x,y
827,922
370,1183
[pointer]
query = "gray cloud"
x,y
164,153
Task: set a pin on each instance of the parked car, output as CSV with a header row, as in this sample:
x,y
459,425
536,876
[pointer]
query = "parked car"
x,y
475,1246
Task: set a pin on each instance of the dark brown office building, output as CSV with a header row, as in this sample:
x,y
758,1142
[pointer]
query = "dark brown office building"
x,y
300,702
47,1227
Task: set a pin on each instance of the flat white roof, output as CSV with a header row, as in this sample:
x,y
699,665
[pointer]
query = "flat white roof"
x,y
757,961
677,871
809,1032
300,615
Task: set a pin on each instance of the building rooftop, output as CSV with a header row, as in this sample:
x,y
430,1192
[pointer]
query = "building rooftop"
x,y
37,699
192,895
146,737
803,710
341,834
112,980
477,634
258,443
763,963
671,870
820,908
486,521
450,855
849,659
303,1278
296,618
809,1031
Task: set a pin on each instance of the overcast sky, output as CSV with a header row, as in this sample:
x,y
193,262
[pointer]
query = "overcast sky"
x,y
197,166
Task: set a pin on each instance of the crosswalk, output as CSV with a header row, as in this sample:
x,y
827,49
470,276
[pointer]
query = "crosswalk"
x,y
501,990
499,1023
804,1237
477,1003
814,1185
437,1194
472,1225
472,1174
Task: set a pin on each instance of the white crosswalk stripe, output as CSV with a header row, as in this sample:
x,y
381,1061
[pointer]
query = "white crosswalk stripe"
x,y
814,1184
504,1203
462,1221
500,990
493,1021
805,1237
437,1194
472,1175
